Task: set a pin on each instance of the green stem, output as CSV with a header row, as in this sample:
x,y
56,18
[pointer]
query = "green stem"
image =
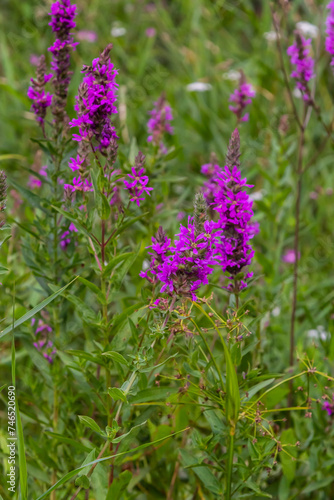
x,y
229,466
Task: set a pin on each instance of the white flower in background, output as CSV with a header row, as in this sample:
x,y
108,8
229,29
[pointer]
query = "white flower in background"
x,y
232,75
256,196
270,36
318,333
276,311
198,87
307,29
146,265
117,31
297,93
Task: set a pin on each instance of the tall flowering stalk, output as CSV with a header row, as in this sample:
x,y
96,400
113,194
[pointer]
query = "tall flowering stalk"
x,y
41,100
159,123
329,44
62,22
299,53
95,106
241,98
234,227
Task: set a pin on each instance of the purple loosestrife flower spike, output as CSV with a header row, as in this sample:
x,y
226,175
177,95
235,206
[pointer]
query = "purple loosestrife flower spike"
x,y
62,22
3,196
137,183
241,97
329,44
41,99
234,228
95,104
299,53
159,123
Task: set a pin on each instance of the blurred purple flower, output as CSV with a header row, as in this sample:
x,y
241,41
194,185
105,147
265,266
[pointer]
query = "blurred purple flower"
x,y
241,97
41,100
87,36
150,32
299,53
329,44
159,123
290,256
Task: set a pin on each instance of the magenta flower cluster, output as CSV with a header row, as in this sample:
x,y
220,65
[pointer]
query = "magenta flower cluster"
x,y
299,53
159,123
241,98
329,44
41,100
183,267
137,185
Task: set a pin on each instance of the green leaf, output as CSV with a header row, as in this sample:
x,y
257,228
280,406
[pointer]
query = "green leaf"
x,y
22,455
256,388
116,260
119,485
120,438
35,310
117,394
103,207
83,482
94,289
89,422
153,394
119,319
3,269
116,356
203,472
151,368
288,465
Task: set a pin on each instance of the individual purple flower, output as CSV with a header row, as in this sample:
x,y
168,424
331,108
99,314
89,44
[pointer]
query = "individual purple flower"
x,y
329,44
87,36
41,100
299,53
329,406
34,182
289,256
241,98
150,32
62,22
159,123
65,238
137,185
79,184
